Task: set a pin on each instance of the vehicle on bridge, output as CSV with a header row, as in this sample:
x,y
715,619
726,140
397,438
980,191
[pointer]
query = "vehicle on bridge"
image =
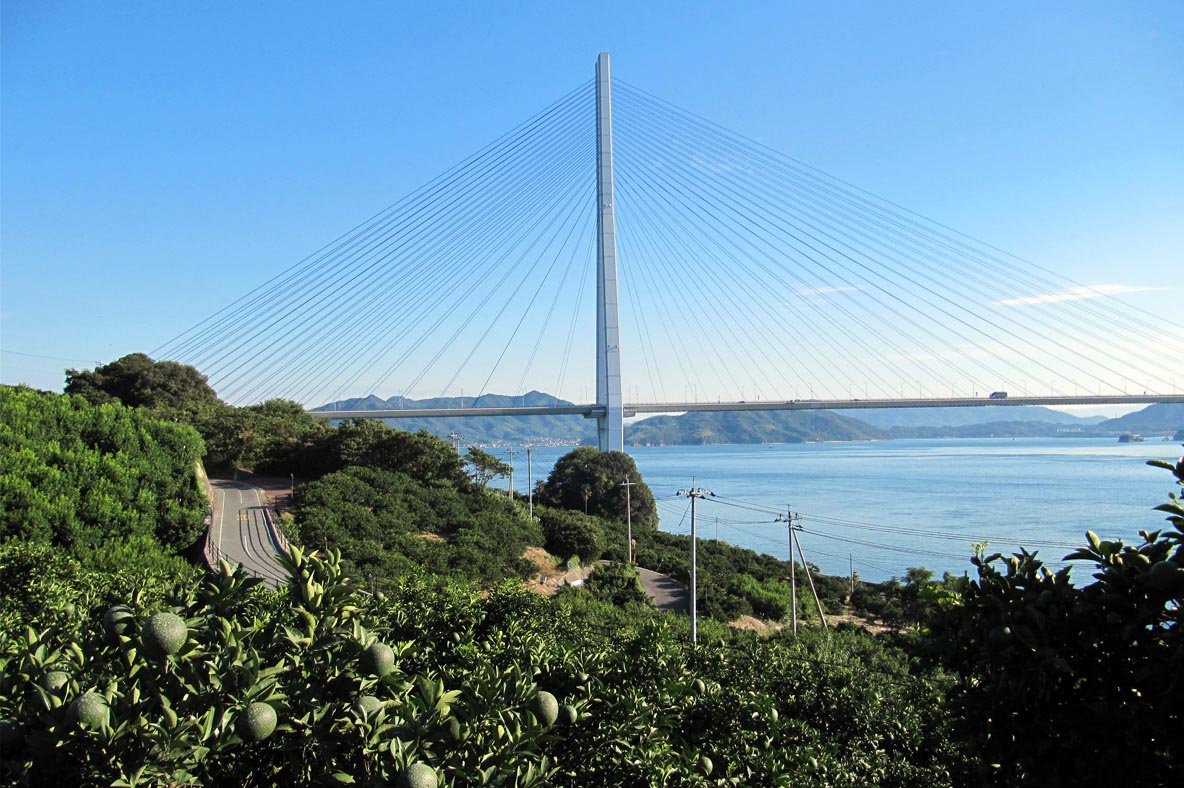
x,y
998,395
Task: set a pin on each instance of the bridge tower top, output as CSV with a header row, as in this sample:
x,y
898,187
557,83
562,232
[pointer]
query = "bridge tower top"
x,y
611,422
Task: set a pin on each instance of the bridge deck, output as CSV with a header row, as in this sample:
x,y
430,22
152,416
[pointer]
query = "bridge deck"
x,y
593,411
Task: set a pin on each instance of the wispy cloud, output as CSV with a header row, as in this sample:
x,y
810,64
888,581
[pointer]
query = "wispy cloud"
x,y
1081,293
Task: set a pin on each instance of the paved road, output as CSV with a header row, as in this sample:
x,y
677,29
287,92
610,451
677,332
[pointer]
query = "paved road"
x,y
241,531
667,593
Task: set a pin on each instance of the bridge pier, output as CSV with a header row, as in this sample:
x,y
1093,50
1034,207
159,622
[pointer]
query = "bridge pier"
x,y
611,425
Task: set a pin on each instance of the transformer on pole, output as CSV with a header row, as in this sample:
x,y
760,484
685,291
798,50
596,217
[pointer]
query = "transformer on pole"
x,y
610,423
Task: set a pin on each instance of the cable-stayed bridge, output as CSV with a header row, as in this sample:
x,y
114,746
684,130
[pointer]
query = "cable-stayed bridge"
x,y
714,273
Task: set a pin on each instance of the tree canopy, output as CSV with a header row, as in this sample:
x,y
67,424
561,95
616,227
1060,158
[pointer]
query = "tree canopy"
x,y
136,380
77,475
588,476
485,466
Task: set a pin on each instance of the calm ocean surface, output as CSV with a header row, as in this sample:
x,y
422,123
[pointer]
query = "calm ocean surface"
x,y
889,505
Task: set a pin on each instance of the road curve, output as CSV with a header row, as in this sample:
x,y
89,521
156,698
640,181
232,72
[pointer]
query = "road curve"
x,y
667,593
241,532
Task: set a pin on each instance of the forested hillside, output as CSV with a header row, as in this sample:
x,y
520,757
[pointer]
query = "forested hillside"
x,y
775,426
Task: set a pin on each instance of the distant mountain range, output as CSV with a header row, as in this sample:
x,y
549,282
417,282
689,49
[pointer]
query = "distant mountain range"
x,y
778,426
484,430
887,418
772,426
1165,417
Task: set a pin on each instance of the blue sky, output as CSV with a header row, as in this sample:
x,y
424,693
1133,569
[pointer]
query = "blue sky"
x,y
160,159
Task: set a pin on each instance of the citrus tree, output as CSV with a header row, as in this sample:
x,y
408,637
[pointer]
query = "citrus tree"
x,y
1077,685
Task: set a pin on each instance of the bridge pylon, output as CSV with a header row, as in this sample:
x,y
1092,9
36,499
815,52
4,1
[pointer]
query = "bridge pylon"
x,y
611,419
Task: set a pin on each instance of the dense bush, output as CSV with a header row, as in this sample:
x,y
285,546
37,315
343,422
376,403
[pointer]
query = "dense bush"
x,y
445,680
78,475
1077,685
617,584
387,524
567,534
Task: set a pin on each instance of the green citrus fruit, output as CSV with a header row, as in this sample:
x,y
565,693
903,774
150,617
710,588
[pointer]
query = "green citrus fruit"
x,y
164,633
699,687
117,619
90,710
999,636
54,680
367,706
581,678
545,708
256,722
418,775
378,660
568,715
705,764
1165,576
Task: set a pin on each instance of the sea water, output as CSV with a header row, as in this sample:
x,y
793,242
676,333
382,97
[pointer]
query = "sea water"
x,y
884,506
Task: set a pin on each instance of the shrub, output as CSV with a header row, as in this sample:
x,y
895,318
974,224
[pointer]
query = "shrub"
x,y
568,534
1076,684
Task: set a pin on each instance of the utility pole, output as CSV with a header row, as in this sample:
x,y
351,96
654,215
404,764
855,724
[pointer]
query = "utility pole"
x,y
793,519
789,520
694,493
510,489
455,441
851,570
628,520
529,484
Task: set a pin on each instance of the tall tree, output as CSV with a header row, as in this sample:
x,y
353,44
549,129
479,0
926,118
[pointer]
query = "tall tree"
x,y
600,475
485,466
136,380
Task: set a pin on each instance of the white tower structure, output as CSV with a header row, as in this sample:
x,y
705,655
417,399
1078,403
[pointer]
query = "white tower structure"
x,y
611,422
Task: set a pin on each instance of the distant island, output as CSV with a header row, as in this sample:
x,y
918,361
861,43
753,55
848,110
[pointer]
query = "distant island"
x,y
771,426
774,426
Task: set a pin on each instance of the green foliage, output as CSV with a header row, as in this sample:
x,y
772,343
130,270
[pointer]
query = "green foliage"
x,y
567,534
423,457
732,581
172,390
485,466
267,691
80,476
387,524
275,436
912,604
1072,685
587,480
618,584
42,586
